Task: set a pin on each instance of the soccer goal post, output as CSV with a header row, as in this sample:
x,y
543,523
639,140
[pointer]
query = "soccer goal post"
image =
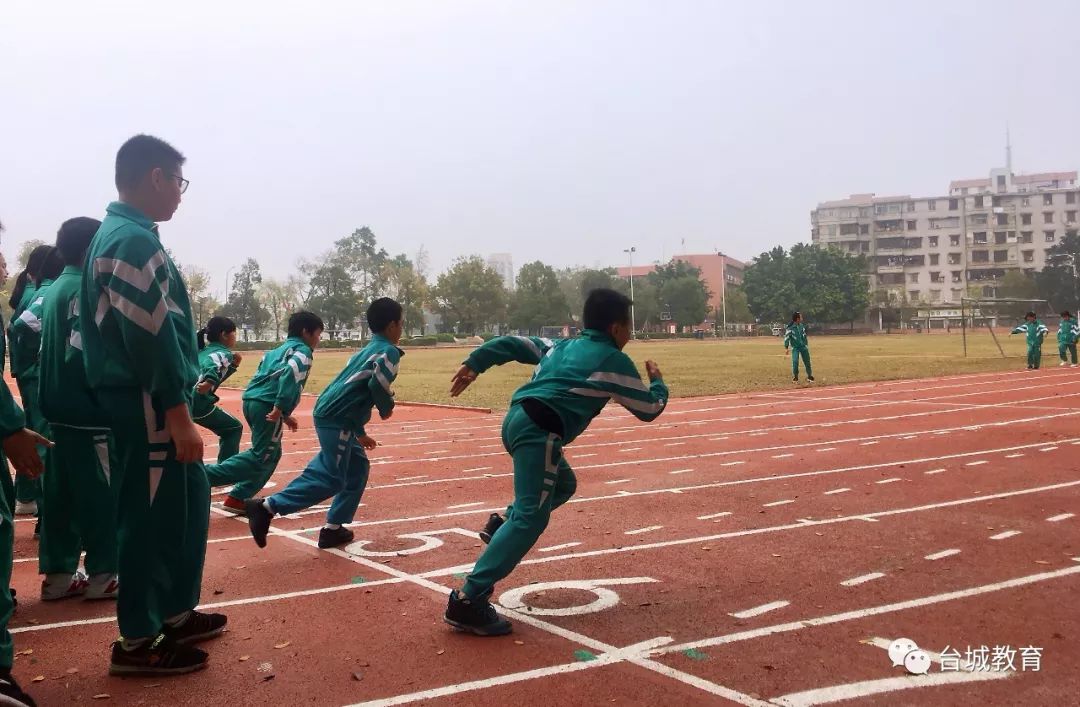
x,y
988,313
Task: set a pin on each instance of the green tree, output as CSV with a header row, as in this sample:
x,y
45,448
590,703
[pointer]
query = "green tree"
x,y
279,298
538,300
243,305
203,304
686,298
1059,280
409,288
470,296
825,284
331,294
738,312
24,252
646,303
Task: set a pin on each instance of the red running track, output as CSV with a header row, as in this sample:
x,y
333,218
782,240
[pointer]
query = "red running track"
x,y
758,549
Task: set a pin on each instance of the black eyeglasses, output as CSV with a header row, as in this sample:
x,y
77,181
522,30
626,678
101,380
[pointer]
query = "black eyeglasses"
x,y
183,182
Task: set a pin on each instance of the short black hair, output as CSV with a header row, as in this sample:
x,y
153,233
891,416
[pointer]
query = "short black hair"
x,y
50,267
1066,313
796,315
1030,314
73,238
299,322
604,307
140,155
382,313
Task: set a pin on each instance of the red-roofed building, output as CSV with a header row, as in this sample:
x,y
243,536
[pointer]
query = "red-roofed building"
x,y
717,271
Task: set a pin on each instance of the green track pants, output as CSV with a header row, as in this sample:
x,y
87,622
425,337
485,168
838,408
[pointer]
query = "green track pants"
x,y
79,511
1067,348
251,468
543,481
1034,357
225,426
162,516
796,354
7,548
27,490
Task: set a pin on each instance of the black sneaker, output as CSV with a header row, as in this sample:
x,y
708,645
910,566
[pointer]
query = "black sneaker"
x,y
162,656
810,378
795,379
11,694
197,627
335,537
475,616
494,522
258,520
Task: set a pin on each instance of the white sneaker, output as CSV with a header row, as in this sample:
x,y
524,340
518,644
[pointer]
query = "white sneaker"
x,y
103,586
25,509
1063,364
62,586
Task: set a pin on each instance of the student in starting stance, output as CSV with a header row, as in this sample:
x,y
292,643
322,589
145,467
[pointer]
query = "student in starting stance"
x,y
217,361
573,381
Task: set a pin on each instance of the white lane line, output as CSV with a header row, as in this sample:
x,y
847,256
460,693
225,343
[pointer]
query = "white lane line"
x,y
862,579
465,505
639,531
758,610
1006,534
934,471
826,449
675,444
909,437
1063,516
732,463
553,548
435,451
977,463
888,481
584,456
867,444
1047,449
681,471
618,481
778,503
782,456
714,515
865,688
631,449
476,468
943,554
412,478
1013,456
836,491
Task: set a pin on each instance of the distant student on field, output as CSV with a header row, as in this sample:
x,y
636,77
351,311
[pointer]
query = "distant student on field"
x,y
795,340
1066,336
217,361
1036,331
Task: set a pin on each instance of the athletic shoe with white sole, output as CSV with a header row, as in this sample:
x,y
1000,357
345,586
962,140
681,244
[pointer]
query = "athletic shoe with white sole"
x,y
63,586
103,586
162,656
196,627
26,509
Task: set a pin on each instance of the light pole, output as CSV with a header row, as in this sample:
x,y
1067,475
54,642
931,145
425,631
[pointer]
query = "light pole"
x,y
723,291
633,320
227,273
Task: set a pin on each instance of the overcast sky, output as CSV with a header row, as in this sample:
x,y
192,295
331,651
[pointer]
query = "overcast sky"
x,y
561,131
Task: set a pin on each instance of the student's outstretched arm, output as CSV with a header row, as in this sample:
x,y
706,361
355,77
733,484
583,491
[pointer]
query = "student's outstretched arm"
x,y
503,349
1022,329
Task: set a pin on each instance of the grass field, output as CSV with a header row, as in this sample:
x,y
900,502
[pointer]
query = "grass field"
x,y
694,368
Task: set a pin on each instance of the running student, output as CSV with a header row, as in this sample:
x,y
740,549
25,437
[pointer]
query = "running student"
x,y
1036,331
269,402
141,359
573,381
341,414
1066,336
795,339
25,347
217,361
78,511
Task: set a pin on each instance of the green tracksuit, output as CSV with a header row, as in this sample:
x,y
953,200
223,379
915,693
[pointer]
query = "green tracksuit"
x,y
341,467
1066,337
11,421
795,339
1035,332
25,348
79,511
141,359
278,382
7,488
574,380
216,363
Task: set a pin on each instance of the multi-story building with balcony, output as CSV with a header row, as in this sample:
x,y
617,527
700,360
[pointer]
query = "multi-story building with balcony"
x,y
937,249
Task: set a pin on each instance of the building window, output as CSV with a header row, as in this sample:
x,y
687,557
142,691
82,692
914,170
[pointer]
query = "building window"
x,y
1026,236
1025,219
954,258
980,256
1070,197
1002,219
999,238
957,276
934,258
912,225
980,237
935,295
1070,217
1025,201
913,295
931,205
933,241
978,202
954,240
995,200
1001,256
1048,199
1000,183
1049,236
954,204
957,294
1048,216
1029,256
913,278
866,247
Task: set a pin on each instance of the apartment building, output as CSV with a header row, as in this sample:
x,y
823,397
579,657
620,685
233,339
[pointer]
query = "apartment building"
x,y
935,250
